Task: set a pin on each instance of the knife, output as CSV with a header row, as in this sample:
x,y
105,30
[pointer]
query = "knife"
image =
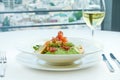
x,y
115,60
111,69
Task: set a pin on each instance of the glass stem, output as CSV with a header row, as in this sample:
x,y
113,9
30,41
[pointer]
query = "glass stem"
x,y
92,33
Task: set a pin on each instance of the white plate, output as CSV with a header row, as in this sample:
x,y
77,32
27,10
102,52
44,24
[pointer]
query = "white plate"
x,y
31,61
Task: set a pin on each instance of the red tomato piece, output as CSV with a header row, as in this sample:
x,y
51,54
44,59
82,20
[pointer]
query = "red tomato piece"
x,y
66,47
60,33
64,39
52,49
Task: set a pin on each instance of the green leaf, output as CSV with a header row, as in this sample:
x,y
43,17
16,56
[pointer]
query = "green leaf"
x,y
36,47
69,44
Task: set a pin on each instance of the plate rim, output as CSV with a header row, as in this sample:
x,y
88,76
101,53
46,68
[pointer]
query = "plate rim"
x,y
100,48
39,66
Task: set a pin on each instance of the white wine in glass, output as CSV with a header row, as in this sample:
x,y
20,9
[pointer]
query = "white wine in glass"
x,y
93,13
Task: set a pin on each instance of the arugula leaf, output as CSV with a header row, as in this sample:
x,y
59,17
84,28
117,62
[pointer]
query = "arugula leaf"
x,y
36,47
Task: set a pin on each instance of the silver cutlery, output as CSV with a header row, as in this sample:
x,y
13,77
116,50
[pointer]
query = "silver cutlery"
x,y
115,60
3,61
111,69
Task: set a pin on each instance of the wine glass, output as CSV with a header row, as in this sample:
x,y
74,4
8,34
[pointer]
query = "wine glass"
x,y
93,13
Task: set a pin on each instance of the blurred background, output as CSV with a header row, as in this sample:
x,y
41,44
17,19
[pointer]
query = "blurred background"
x,y
58,14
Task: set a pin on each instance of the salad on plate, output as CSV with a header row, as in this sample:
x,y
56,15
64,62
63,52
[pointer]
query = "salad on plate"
x,y
58,45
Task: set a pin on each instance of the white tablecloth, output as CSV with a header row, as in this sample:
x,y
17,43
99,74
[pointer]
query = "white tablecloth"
x,y
16,71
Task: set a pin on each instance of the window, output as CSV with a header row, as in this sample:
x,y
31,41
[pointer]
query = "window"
x,y
17,14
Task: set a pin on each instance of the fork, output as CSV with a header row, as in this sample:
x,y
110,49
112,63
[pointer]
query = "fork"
x,y
3,61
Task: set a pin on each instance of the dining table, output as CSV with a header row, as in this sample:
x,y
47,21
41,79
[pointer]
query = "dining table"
x,y
9,42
